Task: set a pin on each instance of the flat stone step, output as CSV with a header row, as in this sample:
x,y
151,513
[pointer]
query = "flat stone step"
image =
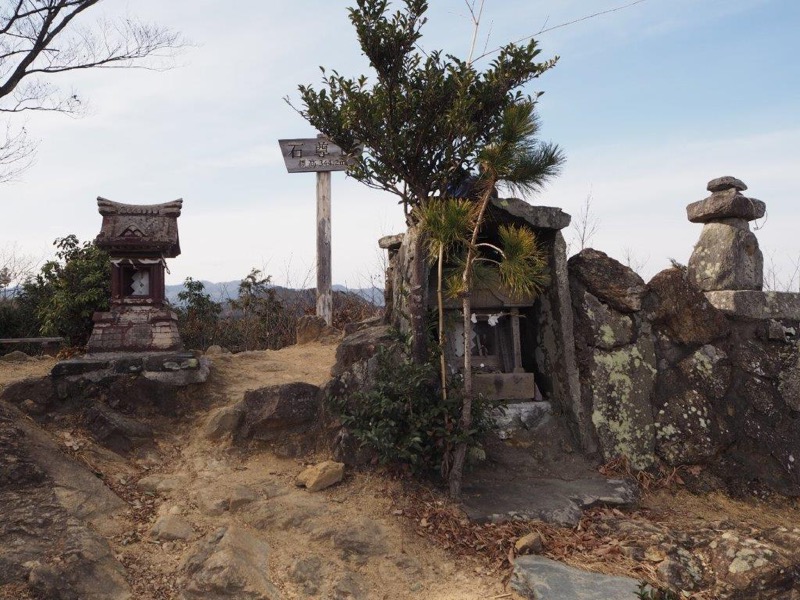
x,y
539,578
550,500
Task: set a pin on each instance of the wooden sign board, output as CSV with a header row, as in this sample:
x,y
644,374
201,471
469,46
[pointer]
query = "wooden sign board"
x,y
310,155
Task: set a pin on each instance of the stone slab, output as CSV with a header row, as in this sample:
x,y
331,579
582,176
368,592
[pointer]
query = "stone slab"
x,y
550,500
728,204
539,578
757,305
725,183
542,217
172,368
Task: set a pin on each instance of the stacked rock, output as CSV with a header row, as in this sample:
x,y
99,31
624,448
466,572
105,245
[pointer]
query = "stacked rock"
x,y
727,256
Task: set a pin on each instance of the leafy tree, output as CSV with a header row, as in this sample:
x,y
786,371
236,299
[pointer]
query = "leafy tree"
x,y
198,314
40,39
421,121
263,318
67,291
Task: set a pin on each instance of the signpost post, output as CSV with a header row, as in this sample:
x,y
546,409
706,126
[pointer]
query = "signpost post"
x,y
321,156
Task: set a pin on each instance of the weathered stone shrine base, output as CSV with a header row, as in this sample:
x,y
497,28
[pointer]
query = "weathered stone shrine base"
x,y
172,368
135,329
757,305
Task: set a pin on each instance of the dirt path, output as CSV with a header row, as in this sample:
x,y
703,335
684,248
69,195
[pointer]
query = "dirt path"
x,y
345,542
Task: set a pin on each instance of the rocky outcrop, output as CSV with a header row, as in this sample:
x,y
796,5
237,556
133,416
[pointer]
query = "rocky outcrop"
x,y
539,578
312,328
693,377
356,364
229,563
48,499
280,415
616,356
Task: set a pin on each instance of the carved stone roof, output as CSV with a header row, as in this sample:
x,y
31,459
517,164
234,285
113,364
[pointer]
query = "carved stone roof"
x,y
139,229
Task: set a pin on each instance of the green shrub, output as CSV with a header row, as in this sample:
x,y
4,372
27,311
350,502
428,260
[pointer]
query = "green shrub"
x,y
67,291
403,418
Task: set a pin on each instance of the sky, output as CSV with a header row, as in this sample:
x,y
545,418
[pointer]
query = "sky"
x,y
648,103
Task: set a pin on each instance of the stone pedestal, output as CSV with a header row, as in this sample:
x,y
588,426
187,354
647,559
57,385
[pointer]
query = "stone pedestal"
x,y
135,329
727,256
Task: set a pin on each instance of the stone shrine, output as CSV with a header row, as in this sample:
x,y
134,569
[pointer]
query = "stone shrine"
x,y
727,256
138,238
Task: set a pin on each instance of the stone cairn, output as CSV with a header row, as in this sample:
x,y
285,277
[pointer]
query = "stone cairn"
x,y
727,256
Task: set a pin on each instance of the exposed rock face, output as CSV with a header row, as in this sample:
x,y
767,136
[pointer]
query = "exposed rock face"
x,y
43,519
360,346
539,578
356,363
727,256
710,387
312,328
616,356
624,381
229,563
280,415
116,431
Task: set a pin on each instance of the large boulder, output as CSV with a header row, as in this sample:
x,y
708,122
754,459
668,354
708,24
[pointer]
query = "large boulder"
x,y
680,310
609,280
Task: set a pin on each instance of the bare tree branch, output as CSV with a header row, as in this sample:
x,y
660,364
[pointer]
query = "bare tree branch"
x,y
545,29
584,226
42,38
16,153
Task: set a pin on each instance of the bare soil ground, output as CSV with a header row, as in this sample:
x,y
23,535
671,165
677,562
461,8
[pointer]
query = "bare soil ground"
x,y
372,535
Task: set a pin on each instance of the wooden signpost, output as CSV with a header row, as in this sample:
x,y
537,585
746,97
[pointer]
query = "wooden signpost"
x,y
321,156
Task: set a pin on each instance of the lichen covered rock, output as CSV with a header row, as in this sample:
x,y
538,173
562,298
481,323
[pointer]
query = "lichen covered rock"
x,y
623,381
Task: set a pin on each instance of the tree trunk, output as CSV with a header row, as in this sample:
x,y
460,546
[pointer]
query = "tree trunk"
x,y
416,303
465,423
440,301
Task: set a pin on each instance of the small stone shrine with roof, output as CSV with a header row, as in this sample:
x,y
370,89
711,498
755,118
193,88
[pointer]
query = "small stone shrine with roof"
x,y
139,239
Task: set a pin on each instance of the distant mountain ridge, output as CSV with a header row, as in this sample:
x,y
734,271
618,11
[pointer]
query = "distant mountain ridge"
x,y
228,290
